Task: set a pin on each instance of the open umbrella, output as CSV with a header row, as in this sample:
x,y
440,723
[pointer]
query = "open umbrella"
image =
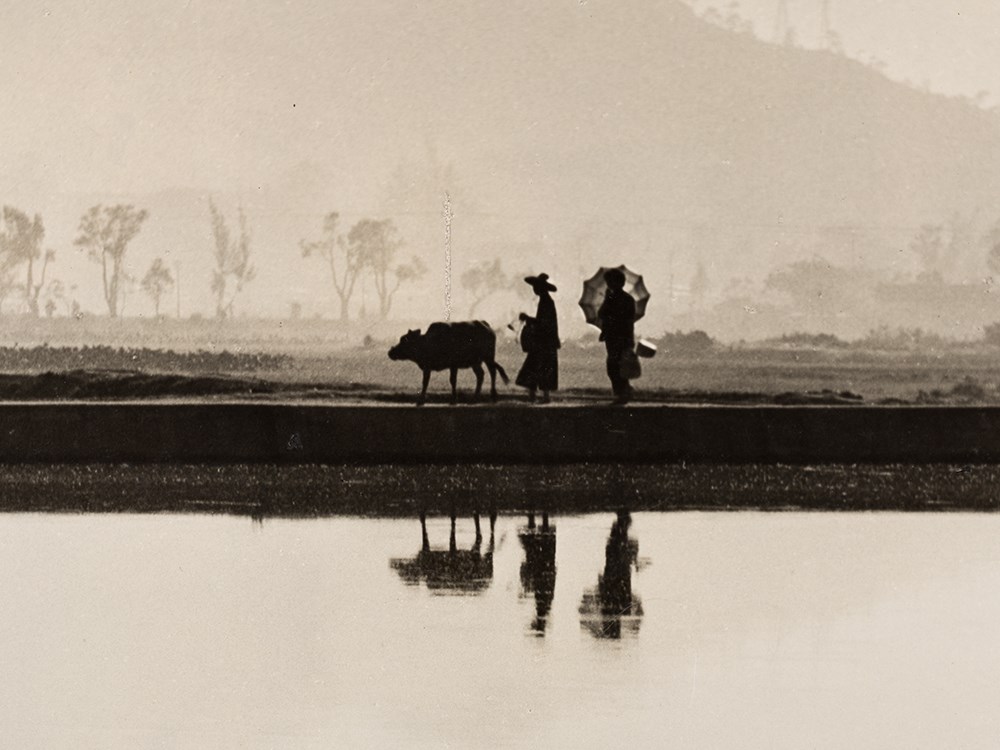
x,y
595,288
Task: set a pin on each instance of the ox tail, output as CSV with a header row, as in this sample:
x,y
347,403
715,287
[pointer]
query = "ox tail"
x,y
503,375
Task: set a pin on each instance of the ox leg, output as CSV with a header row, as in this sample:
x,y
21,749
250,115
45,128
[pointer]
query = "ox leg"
x,y
426,542
491,366
477,545
423,391
478,370
454,384
452,546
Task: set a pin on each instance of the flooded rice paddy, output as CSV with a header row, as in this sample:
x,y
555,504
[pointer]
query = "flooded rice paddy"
x,y
685,629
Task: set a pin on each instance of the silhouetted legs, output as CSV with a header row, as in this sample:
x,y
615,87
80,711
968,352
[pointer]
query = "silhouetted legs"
x,y
423,390
545,520
453,379
491,366
461,571
619,385
478,370
452,544
533,394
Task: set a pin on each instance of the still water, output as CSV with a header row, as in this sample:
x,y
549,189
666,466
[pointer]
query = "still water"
x,y
736,630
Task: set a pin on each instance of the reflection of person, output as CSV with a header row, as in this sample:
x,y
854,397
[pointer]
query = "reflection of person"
x,y
538,571
619,554
541,342
617,317
605,609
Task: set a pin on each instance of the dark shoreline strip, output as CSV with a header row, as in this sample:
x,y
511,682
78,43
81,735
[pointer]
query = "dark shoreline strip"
x,y
235,432
303,490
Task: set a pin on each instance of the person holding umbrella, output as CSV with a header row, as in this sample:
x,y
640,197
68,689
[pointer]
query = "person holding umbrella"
x,y
540,339
617,322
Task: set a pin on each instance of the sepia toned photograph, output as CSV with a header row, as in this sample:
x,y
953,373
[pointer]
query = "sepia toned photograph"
x,y
566,374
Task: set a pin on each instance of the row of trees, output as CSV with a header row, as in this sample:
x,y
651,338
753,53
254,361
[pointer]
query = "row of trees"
x,y
21,252
369,247
105,234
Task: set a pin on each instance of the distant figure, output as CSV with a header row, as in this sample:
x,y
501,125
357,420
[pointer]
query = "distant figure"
x,y
452,346
609,606
538,571
453,571
540,339
617,316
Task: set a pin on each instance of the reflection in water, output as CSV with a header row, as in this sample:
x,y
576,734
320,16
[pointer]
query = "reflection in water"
x,y
538,571
451,571
196,631
611,606
607,610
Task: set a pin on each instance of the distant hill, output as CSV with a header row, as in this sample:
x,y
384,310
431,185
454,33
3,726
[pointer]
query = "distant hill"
x,y
640,132
634,132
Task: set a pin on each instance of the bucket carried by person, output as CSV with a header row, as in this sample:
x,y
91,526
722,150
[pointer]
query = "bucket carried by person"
x,y
645,349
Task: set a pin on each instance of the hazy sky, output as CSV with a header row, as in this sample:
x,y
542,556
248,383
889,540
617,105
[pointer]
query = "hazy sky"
x,y
327,99
118,96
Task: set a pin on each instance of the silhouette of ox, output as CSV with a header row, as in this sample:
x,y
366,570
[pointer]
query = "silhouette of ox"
x,y
452,346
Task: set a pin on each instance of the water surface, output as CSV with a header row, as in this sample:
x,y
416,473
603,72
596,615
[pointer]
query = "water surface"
x,y
742,630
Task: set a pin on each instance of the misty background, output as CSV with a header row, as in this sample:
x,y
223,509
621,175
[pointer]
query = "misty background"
x,y
770,167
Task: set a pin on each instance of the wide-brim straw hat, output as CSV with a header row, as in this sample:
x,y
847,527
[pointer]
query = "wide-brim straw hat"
x,y
541,280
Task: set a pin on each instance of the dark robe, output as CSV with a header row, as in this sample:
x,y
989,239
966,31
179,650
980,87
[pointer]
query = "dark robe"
x,y
541,367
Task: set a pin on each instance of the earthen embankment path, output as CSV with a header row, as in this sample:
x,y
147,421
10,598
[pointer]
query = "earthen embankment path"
x,y
230,431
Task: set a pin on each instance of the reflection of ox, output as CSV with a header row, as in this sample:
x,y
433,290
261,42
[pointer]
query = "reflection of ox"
x,y
454,571
452,346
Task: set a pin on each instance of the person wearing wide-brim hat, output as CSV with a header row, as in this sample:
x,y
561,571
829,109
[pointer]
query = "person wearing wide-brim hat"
x,y
540,339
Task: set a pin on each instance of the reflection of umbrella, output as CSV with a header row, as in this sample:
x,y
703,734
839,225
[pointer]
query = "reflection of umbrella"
x,y
595,287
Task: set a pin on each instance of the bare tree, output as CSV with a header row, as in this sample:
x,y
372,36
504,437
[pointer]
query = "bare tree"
x,y
157,282
7,281
21,242
377,243
105,232
483,280
343,259
54,295
232,260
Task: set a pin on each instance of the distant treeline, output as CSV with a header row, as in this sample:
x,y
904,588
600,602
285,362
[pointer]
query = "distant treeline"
x,y
368,250
881,339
